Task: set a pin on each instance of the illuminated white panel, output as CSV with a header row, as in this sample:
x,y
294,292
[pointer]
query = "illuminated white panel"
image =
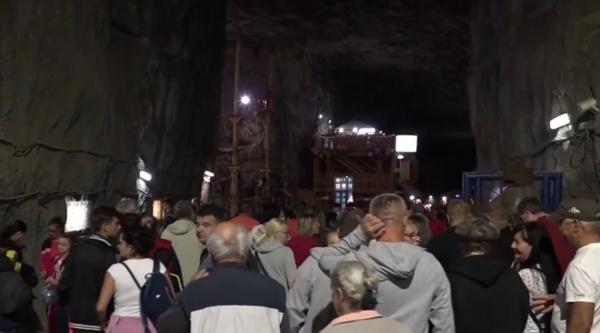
x,y
406,143
77,214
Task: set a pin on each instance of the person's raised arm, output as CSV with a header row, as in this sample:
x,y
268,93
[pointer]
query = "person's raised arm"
x,y
371,227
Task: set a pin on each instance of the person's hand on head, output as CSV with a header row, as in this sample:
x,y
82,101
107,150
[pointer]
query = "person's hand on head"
x,y
542,303
372,226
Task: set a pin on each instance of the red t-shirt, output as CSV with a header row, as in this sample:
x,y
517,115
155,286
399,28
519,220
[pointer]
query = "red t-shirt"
x,y
245,220
301,246
437,226
293,227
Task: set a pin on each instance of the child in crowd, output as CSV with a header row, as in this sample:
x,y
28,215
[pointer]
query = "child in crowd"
x,y
57,314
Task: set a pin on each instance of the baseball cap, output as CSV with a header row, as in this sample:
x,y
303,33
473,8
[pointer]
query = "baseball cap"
x,y
579,209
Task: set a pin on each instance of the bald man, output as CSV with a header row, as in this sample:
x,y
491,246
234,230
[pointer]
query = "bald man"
x,y
413,289
250,302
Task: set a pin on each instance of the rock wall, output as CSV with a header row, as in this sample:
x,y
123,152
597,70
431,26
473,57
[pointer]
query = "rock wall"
x,y
87,86
531,61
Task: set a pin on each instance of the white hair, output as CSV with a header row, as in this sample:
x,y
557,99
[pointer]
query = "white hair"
x,y
232,247
354,279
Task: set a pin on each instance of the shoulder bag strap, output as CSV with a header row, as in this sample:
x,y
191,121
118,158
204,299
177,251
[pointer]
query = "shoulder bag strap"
x,y
261,267
142,315
132,276
536,321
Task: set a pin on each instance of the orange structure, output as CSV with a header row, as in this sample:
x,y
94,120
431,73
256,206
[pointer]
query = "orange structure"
x,y
356,162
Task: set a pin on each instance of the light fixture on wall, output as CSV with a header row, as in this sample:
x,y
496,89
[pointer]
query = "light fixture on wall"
x,y
208,175
560,121
77,213
145,175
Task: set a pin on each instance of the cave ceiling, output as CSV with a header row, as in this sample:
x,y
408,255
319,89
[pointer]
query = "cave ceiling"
x,y
404,61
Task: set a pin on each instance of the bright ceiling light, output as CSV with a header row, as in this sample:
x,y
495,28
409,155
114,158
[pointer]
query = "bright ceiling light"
x,y
355,130
145,175
412,197
245,99
400,157
560,121
406,143
340,130
320,116
209,173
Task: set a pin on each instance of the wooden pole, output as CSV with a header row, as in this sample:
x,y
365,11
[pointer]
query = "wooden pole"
x,y
234,169
267,141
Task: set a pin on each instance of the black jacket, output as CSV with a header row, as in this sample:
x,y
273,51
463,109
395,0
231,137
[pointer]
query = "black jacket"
x,y
82,280
446,247
487,296
16,306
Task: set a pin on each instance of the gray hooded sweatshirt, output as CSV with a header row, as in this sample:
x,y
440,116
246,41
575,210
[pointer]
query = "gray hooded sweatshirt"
x,y
413,287
278,261
310,294
182,234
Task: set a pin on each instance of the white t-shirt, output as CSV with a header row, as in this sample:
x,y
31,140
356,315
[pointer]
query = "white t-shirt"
x,y
581,283
127,293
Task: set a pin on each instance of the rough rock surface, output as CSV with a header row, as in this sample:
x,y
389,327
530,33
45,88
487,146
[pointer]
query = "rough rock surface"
x,y
531,61
99,83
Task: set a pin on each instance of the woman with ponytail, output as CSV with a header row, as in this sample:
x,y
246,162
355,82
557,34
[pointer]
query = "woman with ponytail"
x,y
353,290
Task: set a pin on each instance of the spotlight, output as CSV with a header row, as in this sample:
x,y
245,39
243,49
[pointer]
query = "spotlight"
x,y
400,157
209,173
145,175
444,199
412,197
355,130
560,121
320,116
245,99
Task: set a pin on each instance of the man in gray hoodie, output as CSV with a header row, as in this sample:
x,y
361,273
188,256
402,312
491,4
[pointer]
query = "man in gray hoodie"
x,y
182,234
413,287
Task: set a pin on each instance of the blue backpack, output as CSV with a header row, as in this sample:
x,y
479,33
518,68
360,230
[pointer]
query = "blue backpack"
x,y
155,295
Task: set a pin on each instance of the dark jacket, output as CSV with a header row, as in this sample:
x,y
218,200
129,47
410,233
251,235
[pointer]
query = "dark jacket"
x,y
447,249
16,309
487,296
231,299
82,280
27,272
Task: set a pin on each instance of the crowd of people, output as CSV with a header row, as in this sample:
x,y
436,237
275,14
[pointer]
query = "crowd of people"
x,y
390,268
